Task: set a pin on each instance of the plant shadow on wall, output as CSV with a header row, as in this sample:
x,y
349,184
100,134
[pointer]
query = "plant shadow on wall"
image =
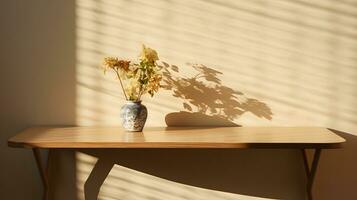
x,y
206,101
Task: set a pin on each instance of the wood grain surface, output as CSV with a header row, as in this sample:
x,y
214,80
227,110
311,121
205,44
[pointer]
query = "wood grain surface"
x,y
177,137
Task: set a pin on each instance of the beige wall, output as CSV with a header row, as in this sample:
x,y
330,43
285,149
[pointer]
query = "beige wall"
x,y
281,63
37,66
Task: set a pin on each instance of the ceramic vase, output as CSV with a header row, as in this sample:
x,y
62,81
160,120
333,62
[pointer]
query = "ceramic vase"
x,y
133,115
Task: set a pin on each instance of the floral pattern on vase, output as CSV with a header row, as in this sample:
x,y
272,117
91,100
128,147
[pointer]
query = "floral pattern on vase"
x,y
133,116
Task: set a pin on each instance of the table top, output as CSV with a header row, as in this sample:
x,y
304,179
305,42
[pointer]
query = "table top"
x,y
177,137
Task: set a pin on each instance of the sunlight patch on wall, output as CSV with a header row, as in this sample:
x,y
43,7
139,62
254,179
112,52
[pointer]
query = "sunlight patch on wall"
x,y
296,59
285,53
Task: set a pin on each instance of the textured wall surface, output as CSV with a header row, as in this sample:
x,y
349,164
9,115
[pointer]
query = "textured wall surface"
x,y
249,63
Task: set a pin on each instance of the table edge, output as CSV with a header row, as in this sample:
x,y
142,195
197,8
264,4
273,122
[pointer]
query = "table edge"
x,y
80,145
168,145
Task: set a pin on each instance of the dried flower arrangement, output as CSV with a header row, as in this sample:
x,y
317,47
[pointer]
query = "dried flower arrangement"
x,y
141,77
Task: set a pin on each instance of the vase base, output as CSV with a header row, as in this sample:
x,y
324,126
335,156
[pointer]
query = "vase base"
x,y
132,130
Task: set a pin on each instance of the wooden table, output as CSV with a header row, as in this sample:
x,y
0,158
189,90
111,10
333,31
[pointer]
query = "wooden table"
x,y
300,138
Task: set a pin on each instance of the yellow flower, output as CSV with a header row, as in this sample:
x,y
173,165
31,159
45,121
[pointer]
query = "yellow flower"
x,y
132,89
116,64
149,55
109,62
124,65
154,84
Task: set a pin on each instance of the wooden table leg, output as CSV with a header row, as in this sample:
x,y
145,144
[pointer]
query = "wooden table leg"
x,y
310,172
43,171
96,178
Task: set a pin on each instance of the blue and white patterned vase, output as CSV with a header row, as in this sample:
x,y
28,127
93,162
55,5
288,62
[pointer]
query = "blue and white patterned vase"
x,y
133,115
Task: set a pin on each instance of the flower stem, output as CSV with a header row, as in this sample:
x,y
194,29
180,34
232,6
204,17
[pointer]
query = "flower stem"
x,y
121,84
140,92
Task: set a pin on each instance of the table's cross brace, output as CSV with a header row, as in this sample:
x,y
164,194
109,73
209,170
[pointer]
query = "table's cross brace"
x,y
43,169
310,171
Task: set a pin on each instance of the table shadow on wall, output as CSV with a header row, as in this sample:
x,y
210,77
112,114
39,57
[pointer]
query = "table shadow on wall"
x,y
205,100
227,170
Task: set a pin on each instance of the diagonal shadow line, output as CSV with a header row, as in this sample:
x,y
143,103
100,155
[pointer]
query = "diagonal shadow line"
x,y
302,24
